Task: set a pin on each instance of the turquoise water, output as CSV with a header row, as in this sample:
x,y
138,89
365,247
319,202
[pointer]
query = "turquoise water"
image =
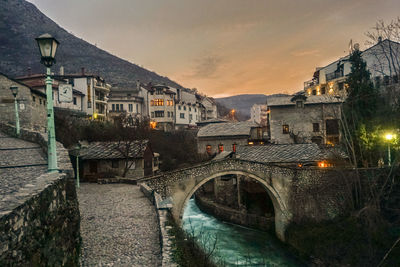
x,y
235,245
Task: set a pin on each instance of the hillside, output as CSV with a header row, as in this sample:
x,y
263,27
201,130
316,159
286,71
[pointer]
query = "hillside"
x,y
243,103
21,22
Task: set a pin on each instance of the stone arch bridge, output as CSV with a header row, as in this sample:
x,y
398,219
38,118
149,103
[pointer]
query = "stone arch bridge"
x,y
278,181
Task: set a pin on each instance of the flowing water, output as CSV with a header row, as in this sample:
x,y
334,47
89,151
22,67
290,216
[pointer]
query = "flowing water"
x,y
235,245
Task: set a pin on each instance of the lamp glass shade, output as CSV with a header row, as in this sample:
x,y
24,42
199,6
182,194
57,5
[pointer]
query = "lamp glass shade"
x,y
14,90
47,47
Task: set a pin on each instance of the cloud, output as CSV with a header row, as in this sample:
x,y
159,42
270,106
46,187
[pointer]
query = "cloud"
x,y
302,53
205,68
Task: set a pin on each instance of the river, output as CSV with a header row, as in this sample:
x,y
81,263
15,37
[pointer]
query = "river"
x,y
235,245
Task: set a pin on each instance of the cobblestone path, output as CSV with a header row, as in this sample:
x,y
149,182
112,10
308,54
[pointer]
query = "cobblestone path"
x,y
118,226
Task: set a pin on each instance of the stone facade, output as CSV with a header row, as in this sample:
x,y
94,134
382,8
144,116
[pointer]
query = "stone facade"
x,y
41,226
32,105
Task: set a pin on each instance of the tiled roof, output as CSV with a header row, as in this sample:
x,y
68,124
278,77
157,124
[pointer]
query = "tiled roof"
x,y
312,99
287,153
113,150
226,129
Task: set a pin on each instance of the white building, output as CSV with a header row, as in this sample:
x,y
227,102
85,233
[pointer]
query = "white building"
x,y
258,113
125,101
161,106
187,109
331,79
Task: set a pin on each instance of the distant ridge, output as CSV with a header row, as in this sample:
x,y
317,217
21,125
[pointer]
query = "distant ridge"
x,y
243,103
21,22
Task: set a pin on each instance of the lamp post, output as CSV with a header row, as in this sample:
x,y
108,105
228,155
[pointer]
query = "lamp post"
x,y
14,91
47,47
389,138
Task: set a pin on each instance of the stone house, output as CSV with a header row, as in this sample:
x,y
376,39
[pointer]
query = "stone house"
x,y
258,113
187,109
31,104
125,101
37,82
304,119
161,107
218,137
108,159
208,108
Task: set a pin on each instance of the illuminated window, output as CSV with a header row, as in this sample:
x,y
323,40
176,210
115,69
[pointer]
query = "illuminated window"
x,y
208,149
152,103
220,148
323,90
158,102
285,129
234,147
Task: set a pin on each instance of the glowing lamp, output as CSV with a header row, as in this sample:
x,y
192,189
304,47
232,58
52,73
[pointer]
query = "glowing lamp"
x,y
47,47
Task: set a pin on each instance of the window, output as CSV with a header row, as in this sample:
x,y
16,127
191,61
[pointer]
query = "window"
x,y
182,115
179,107
315,127
341,86
129,95
190,117
208,149
195,109
121,107
332,127
115,164
40,101
314,92
89,104
285,129
152,114
159,114
74,100
113,107
137,108
184,107
157,102
159,91
220,148
170,103
117,106
172,114
152,103
169,114
130,106
300,104
323,90
190,109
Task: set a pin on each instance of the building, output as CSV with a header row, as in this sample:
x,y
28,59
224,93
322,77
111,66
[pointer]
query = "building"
x,y
37,82
304,119
31,105
258,114
331,79
187,109
161,107
108,159
125,101
208,108
218,137
95,92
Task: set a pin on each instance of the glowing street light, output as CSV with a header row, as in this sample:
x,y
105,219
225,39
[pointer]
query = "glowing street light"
x,y
389,137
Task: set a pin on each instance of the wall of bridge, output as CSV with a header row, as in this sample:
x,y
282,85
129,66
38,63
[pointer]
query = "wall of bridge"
x,y
287,187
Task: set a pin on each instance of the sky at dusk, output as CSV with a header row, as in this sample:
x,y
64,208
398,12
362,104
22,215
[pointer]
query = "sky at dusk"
x,y
224,47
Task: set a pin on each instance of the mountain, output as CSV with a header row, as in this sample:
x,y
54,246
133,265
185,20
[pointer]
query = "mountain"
x,y
243,103
21,22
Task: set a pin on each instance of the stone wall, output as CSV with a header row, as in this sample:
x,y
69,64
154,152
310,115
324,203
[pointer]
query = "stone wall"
x,y
241,217
41,228
32,107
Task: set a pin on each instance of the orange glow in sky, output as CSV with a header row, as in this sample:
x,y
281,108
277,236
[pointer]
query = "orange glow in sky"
x,y
224,47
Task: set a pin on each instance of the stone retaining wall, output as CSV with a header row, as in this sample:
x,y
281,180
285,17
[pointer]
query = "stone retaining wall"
x,y
42,227
235,216
162,215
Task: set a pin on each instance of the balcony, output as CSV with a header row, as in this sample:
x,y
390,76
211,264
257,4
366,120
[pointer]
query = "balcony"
x,y
101,87
310,83
334,75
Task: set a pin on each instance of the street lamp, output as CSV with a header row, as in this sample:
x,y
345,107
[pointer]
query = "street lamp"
x,y
47,47
389,138
14,91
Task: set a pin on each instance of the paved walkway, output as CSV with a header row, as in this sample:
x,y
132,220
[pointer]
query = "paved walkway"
x,y
21,163
118,226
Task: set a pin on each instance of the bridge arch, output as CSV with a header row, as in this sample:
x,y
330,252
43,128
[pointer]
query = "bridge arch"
x,y
183,192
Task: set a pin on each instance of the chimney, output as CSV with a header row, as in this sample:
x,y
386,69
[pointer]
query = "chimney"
x,y
138,84
62,70
83,70
29,71
379,39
